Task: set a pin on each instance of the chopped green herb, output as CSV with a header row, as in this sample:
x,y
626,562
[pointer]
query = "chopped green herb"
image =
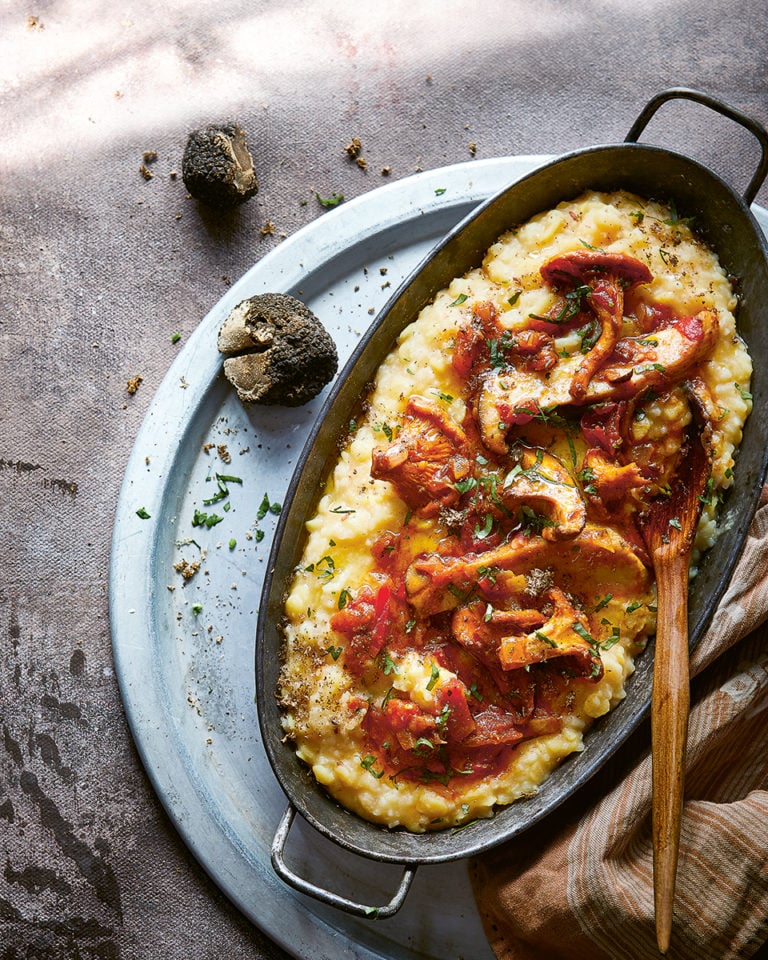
x,y
341,510
465,485
462,297
142,514
335,652
333,201
440,191
197,608
367,764
474,692
745,394
533,523
344,596
482,532
604,602
330,568
208,520
175,337
580,629
259,534
631,607
675,522
389,665
544,638
232,543
514,298
443,396
410,625
433,677
385,429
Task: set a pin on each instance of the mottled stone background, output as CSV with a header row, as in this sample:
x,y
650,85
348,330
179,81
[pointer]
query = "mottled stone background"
x,y
98,267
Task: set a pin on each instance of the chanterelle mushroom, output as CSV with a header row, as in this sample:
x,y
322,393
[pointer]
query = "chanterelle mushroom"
x,y
540,480
277,351
607,275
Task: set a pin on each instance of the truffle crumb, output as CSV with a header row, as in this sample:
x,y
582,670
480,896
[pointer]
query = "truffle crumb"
x,y
149,156
217,167
277,351
146,172
187,570
268,229
353,148
133,383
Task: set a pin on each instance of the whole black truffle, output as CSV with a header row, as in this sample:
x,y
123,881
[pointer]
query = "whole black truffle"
x,y
277,351
217,167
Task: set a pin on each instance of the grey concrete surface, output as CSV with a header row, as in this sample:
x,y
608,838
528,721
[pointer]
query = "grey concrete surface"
x,y
99,267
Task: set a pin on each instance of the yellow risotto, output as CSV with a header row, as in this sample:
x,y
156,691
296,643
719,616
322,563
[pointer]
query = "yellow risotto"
x,y
475,585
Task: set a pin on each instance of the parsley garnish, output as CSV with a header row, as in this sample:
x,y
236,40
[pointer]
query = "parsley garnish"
x,y
367,764
443,396
208,520
333,201
433,677
142,514
462,297
580,629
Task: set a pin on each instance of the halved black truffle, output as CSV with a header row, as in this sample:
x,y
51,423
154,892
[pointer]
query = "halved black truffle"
x,y
217,167
277,351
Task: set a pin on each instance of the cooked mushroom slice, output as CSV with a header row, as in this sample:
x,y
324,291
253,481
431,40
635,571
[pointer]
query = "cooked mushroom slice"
x,y
607,480
650,361
426,459
565,634
607,276
655,360
540,480
598,555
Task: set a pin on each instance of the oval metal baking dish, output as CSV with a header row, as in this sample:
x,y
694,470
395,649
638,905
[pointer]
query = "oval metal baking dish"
x,y
724,219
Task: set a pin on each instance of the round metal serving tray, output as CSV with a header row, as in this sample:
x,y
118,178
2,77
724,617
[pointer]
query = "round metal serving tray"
x,y
188,699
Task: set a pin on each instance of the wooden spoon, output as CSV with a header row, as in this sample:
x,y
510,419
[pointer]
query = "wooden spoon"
x,y
669,531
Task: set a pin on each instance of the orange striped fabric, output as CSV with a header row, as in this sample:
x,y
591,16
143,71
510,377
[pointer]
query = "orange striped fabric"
x,y
579,886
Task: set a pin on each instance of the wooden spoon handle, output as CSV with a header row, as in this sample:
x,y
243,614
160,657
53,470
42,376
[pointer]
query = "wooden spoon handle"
x,y
669,729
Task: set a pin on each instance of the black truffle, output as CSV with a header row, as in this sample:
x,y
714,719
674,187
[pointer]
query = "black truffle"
x,y
277,351
217,167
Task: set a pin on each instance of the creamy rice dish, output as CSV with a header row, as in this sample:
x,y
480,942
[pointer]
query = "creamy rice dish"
x,y
475,587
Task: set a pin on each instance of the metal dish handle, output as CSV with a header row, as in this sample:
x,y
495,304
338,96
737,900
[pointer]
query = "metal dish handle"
x,y
327,896
684,93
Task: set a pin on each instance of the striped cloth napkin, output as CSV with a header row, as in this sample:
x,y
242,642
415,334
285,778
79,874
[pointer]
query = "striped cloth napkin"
x,y
579,886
